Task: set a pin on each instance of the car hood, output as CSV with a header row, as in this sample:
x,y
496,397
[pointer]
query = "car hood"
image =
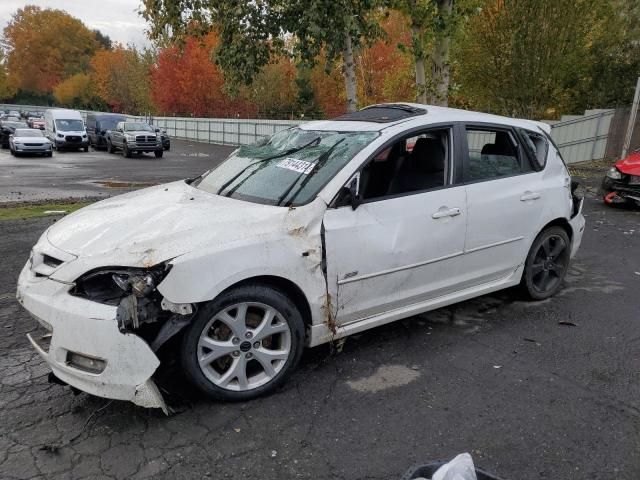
x,y
630,165
152,225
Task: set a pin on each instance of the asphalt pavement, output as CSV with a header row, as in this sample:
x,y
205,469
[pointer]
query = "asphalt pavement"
x,y
533,390
76,174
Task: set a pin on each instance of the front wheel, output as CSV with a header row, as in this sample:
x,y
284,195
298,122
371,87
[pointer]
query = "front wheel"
x,y
243,344
125,150
110,147
158,153
547,263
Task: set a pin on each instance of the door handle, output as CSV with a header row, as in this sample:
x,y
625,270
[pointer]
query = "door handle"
x,y
446,212
529,196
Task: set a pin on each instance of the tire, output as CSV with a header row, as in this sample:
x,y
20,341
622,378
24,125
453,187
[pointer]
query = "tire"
x,y
110,147
49,154
158,153
125,150
547,264
12,152
245,350
86,149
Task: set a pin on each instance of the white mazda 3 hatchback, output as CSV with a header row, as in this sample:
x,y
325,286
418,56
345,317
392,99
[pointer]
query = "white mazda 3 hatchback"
x,y
319,232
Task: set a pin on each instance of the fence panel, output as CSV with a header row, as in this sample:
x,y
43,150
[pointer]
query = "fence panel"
x,y
585,138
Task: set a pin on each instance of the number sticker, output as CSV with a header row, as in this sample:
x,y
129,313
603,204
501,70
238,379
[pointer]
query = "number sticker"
x,y
300,166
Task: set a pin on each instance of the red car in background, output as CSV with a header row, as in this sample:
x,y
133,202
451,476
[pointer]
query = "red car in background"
x,y
621,185
37,123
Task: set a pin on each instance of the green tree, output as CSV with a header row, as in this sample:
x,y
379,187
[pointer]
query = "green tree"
x,y
526,57
434,24
7,89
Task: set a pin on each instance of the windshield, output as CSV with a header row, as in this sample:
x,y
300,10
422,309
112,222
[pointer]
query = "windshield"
x,y
133,127
14,124
24,132
69,125
289,169
109,123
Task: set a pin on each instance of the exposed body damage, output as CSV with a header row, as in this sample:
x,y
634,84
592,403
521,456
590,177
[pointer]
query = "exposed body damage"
x,y
128,332
622,182
247,282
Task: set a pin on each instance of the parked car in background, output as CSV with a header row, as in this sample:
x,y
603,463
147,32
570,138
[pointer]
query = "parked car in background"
x,y
36,122
322,231
621,184
29,141
7,127
134,137
65,128
166,140
14,113
98,124
13,118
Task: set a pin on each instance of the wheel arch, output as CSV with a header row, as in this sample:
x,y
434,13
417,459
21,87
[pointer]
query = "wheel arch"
x,y
284,285
562,223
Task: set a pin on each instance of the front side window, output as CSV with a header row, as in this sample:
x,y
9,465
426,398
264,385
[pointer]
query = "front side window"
x,y
492,154
411,164
288,169
69,125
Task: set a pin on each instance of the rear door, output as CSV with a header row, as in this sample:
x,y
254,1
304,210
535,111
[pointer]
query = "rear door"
x,y
404,244
505,196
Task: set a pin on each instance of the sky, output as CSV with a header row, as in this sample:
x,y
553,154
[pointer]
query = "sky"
x,y
116,18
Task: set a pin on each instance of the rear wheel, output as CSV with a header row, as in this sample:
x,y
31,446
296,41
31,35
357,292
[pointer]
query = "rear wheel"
x,y
243,344
547,263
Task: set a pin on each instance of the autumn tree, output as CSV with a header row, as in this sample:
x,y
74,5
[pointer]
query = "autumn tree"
x,y
77,91
45,46
7,89
186,81
122,78
274,91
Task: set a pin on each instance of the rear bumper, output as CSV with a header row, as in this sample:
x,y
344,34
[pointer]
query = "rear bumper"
x,y
79,326
577,223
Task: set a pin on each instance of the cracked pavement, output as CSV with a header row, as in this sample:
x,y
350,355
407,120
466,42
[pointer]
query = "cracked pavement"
x,y
495,376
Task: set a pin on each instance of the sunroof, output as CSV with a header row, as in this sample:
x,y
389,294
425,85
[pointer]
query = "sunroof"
x,y
384,113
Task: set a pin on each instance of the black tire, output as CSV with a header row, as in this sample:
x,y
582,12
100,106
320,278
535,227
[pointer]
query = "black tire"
x,y
547,264
110,147
125,150
86,149
12,152
158,153
253,293
49,154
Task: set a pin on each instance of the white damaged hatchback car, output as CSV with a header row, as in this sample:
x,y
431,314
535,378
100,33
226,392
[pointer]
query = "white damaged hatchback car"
x,y
321,231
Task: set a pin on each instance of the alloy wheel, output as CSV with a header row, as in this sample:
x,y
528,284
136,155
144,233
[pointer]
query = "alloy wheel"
x,y
549,263
244,346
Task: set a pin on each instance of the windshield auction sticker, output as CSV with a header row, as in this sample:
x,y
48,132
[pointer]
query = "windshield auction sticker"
x,y
296,165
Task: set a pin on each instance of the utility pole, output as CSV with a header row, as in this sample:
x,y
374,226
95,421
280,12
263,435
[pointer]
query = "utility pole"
x,y
632,121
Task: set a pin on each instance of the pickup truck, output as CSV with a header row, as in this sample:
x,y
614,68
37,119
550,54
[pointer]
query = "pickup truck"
x,y
133,137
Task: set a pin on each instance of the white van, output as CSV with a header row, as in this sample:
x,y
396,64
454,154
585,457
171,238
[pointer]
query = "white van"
x,y
65,128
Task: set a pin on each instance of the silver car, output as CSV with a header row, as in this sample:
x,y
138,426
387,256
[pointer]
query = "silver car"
x,y
29,141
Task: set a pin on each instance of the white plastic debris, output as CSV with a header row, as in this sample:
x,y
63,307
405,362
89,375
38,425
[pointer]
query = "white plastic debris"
x,y
460,468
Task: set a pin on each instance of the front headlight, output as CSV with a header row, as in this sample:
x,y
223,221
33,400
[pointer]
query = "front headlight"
x,y
111,285
130,138
614,174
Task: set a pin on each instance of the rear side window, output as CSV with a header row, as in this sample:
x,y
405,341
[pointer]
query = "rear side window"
x,y
492,154
537,148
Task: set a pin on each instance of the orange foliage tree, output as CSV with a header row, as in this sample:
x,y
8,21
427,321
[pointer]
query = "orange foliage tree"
x,y
45,47
186,81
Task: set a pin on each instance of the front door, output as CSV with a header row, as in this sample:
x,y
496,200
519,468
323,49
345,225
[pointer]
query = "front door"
x,y
404,244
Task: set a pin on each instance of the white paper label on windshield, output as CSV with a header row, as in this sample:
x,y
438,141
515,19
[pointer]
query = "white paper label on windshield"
x,y
296,165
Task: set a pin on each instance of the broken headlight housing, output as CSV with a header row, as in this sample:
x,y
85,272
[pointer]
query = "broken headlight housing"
x,y
110,285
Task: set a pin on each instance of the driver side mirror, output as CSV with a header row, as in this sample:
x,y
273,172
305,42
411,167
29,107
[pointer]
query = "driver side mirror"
x,y
349,194
120,129
157,130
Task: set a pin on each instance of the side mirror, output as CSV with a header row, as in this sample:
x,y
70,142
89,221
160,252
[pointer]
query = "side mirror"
x,y
120,130
157,130
349,195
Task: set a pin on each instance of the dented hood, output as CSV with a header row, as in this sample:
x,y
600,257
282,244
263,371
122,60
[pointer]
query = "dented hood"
x,y
155,224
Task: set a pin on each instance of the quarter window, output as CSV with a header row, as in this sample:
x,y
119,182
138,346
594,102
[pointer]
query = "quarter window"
x,y
492,154
537,148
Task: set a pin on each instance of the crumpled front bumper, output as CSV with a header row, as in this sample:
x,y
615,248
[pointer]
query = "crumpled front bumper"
x,y
88,328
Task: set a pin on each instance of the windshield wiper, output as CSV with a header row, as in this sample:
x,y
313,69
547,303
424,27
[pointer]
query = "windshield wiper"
x,y
318,163
287,152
